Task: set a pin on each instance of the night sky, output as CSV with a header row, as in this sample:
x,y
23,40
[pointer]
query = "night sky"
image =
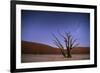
x,y
38,26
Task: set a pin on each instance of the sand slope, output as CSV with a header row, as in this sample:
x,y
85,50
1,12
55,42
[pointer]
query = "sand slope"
x,y
38,48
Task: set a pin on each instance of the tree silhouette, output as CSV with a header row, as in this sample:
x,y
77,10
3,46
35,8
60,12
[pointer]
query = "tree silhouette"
x,y
59,45
69,41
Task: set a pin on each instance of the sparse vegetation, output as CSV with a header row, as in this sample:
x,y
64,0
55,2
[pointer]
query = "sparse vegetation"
x,y
69,41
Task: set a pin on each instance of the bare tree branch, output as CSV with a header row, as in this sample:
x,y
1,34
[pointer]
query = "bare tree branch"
x,y
70,43
58,44
58,41
75,45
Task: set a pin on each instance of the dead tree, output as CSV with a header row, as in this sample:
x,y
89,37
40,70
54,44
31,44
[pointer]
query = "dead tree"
x,y
59,45
70,43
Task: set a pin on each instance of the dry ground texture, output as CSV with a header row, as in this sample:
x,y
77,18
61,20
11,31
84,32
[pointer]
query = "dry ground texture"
x,y
45,58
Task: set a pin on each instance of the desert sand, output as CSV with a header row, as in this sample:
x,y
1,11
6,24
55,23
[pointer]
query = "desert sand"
x,y
38,52
45,58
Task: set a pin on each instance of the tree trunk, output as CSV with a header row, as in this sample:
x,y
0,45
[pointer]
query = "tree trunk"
x,y
69,53
63,53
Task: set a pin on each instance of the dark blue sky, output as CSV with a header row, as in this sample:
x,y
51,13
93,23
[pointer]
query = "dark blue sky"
x,y
38,26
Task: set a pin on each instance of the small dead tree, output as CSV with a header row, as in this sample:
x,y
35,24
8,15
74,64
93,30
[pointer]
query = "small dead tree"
x,y
59,45
70,43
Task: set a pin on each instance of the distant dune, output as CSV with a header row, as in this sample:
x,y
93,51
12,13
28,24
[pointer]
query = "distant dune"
x,y
38,48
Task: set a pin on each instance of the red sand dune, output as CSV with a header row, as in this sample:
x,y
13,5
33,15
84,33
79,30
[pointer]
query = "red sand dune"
x,y
37,48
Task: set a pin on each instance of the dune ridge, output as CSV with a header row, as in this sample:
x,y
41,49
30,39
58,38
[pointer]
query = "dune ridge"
x,y
38,48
